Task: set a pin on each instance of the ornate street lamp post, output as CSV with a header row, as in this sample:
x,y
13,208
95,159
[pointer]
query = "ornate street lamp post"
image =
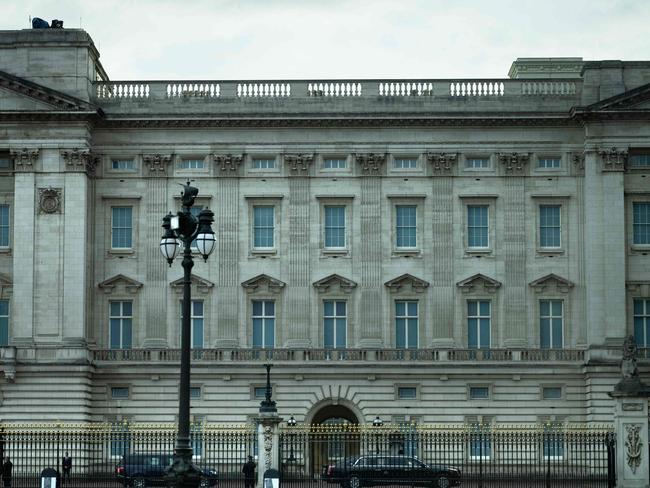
x,y
186,228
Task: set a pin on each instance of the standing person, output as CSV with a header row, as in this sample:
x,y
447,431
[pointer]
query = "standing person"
x,y
249,473
66,464
7,466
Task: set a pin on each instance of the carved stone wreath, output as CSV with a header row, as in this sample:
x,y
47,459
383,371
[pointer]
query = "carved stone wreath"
x,y
49,200
633,446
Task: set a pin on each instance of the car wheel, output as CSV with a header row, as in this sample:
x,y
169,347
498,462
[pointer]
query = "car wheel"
x,y
354,482
442,482
139,482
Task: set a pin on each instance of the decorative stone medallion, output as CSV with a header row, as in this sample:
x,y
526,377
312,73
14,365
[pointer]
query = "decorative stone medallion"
x,y
49,200
633,446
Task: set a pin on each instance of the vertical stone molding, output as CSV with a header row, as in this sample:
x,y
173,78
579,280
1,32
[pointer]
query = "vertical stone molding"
x,y
80,161
442,256
299,284
156,164
442,163
25,159
370,163
227,295
514,163
228,163
613,159
298,164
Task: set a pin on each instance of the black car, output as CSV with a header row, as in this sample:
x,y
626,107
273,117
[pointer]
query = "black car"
x,y
148,469
384,469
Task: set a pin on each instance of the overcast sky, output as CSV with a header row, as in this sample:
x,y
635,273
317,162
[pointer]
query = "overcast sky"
x,y
289,39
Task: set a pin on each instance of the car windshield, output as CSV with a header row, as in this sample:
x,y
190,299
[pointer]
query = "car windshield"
x,y
150,459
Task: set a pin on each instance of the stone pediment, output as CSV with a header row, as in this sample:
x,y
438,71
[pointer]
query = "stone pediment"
x,y
475,282
129,284
200,284
416,284
21,94
261,282
561,284
325,284
635,101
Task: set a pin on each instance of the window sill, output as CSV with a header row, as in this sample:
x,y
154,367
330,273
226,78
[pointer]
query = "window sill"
x,y
550,252
5,250
640,249
121,253
263,253
334,253
406,253
477,252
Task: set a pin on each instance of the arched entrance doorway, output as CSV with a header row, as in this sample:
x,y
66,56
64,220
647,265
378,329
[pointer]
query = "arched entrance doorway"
x,y
334,435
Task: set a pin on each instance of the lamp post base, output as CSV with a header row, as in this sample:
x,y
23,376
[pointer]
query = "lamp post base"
x,y
182,473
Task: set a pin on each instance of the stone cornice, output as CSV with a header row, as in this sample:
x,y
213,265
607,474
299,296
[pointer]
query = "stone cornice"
x,y
130,285
324,284
468,284
273,285
417,284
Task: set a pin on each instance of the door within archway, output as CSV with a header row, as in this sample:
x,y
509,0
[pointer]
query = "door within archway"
x,y
335,437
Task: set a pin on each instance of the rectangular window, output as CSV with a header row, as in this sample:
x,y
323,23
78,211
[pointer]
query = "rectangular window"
x,y
405,163
553,447
122,227
334,163
548,163
120,439
4,225
552,393
4,322
406,226
335,227
477,163
263,163
478,324
192,164
480,442
479,392
259,392
196,323
641,160
335,323
407,392
549,226
120,393
120,325
5,161
263,227
123,164
551,323
642,322
477,226
195,392
196,437
641,223
263,323
406,324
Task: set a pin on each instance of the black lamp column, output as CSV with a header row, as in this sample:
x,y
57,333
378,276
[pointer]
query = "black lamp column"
x,y
184,227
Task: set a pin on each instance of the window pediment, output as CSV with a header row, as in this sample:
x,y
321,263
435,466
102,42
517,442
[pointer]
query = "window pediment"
x,y
417,285
325,284
263,281
477,283
129,284
561,284
200,284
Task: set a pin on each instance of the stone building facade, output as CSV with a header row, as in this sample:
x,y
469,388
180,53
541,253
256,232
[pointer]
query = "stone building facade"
x,y
418,250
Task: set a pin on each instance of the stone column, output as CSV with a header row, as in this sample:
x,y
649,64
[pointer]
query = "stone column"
x,y
155,290
298,290
369,260
268,440
442,277
514,247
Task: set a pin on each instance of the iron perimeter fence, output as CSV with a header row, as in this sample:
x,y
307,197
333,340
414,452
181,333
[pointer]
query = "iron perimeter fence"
x,y
485,455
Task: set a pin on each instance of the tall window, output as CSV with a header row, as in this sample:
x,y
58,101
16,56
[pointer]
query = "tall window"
x,y
335,227
549,226
335,322
263,323
120,325
548,163
480,443
120,439
263,163
122,227
641,224
4,225
642,321
553,441
406,225
196,323
551,324
4,322
477,226
478,324
263,226
406,324
334,163
405,163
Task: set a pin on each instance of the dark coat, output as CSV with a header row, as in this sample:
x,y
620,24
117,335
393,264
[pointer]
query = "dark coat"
x,y
248,469
67,463
7,466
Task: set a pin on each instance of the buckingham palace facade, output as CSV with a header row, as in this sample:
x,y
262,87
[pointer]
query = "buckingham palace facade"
x,y
420,250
